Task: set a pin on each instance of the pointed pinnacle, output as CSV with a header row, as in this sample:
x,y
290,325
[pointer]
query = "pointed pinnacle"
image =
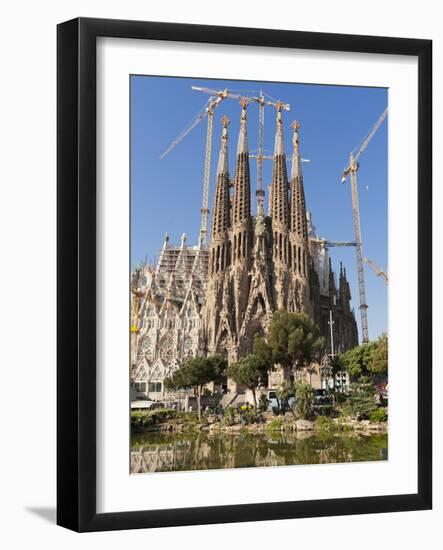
x,y
242,146
222,167
296,168
279,148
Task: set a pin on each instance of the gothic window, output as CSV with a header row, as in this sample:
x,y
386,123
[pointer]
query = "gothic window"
x,y
145,346
187,347
166,348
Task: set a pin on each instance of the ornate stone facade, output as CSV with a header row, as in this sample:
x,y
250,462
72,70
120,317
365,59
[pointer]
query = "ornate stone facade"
x,y
202,300
166,325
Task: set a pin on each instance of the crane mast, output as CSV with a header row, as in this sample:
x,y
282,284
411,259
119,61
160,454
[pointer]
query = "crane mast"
x,y
207,111
205,199
359,252
262,102
217,96
260,194
351,170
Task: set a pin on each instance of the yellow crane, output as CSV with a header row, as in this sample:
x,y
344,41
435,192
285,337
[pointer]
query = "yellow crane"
x,y
351,169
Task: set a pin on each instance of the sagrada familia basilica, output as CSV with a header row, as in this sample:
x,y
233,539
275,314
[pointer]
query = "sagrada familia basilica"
x,y
203,300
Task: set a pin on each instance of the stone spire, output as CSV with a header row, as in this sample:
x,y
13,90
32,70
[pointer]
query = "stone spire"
x,y
242,146
222,167
241,205
298,203
298,226
279,212
241,242
279,204
299,257
220,211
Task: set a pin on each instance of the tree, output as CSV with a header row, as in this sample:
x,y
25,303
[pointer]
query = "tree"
x,y
361,402
304,399
368,359
195,373
379,361
261,349
250,371
294,339
358,359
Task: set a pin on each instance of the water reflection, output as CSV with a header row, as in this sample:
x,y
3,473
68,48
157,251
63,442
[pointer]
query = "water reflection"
x,y
158,452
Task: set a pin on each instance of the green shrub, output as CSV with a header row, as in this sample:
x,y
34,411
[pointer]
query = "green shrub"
x,y
263,403
379,415
250,417
275,425
323,423
360,402
141,418
304,400
229,416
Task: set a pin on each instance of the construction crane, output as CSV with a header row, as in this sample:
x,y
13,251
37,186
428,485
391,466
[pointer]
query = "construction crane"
x,y
330,244
262,102
379,272
352,170
207,111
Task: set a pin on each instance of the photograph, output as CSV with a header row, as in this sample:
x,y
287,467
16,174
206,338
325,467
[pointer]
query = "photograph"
x,y
258,278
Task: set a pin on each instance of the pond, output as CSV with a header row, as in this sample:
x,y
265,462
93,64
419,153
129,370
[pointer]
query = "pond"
x,y
160,452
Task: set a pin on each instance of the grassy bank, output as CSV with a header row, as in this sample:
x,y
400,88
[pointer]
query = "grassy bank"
x,y
169,420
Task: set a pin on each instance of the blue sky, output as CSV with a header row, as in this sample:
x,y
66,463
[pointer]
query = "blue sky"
x,y
166,194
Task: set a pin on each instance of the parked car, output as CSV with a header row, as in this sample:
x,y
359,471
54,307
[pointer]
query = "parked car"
x,y
143,404
322,398
275,403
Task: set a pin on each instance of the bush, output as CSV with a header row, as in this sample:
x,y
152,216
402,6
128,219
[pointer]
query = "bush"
x,y
323,423
229,416
379,415
263,403
360,402
250,417
274,425
304,400
143,418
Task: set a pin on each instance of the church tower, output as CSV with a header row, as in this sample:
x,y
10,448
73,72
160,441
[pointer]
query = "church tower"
x,y
241,236
279,212
218,322
298,235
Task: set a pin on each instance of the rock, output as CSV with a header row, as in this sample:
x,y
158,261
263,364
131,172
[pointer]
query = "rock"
x,y
304,425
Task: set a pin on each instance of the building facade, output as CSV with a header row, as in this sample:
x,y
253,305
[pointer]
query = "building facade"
x,y
215,299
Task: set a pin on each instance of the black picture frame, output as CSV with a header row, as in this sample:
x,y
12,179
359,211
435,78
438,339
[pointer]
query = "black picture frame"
x,y
76,280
